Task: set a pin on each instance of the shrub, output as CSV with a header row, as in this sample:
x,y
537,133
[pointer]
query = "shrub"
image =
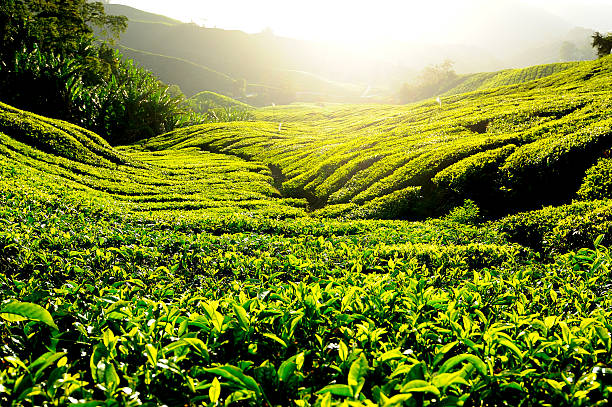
x,y
554,230
129,105
597,182
468,213
550,169
397,204
475,175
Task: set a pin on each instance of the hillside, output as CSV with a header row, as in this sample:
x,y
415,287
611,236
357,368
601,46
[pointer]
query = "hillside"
x,y
525,35
190,77
58,155
489,80
416,160
214,100
174,51
134,14
231,263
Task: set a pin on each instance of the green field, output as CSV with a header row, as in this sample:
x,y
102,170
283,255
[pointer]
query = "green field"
x,y
317,255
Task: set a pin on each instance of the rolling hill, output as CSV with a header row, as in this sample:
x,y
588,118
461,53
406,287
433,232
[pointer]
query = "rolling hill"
x,y
389,161
278,69
190,77
202,59
247,263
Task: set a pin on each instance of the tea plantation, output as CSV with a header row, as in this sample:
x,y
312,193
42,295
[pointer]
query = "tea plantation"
x,y
434,254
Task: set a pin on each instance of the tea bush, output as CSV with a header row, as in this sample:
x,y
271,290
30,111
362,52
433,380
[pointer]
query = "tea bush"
x,y
597,182
527,143
178,271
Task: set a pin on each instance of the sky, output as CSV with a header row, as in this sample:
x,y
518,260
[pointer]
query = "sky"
x,y
356,20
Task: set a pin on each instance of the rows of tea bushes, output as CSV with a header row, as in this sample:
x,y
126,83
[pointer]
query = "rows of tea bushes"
x,y
488,80
536,140
55,152
103,309
231,264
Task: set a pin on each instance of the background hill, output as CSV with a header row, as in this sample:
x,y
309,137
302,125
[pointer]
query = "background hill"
x,y
191,77
277,69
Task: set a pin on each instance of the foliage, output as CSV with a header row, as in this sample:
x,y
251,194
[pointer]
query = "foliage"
x,y
477,176
468,213
179,271
506,77
207,100
128,105
602,43
526,145
597,182
219,108
50,47
132,105
152,309
59,27
554,165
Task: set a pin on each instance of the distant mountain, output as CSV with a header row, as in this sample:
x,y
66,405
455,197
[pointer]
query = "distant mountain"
x,y
133,14
504,27
587,14
496,35
574,46
197,59
190,77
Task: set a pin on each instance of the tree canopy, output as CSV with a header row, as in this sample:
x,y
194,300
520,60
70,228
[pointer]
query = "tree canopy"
x,y
58,26
602,43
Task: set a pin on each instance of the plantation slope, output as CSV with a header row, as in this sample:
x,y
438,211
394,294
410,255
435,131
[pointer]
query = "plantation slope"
x,y
215,100
58,137
190,77
58,156
488,80
137,15
526,145
105,304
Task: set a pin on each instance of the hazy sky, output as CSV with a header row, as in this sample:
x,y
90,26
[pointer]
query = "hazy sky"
x,y
356,20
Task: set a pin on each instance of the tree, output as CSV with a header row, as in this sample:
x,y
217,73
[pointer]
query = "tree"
x,y
602,43
432,81
48,53
58,26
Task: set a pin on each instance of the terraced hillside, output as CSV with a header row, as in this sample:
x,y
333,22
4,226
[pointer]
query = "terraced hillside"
x,y
526,145
64,156
186,270
488,80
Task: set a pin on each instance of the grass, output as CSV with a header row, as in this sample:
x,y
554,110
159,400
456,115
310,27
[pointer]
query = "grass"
x,y
247,263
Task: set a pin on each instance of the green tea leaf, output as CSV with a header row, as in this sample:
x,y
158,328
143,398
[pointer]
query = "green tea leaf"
x,y
21,311
420,386
286,369
342,351
480,366
243,318
341,390
356,376
275,338
214,391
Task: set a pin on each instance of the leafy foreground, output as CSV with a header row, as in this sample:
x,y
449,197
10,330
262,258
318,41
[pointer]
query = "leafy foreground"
x,y
183,277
